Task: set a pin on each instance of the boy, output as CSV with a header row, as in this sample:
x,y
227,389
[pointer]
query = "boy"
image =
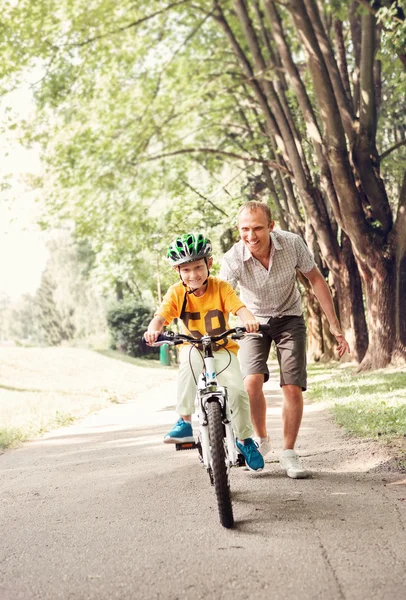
x,y
203,304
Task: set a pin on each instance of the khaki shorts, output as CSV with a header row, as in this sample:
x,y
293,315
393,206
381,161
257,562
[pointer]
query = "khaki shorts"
x,y
289,335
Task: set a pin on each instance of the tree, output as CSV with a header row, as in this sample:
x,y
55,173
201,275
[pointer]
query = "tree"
x,y
284,98
5,302
23,321
52,328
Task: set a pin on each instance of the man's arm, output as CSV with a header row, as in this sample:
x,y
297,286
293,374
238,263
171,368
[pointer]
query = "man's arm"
x,y
323,295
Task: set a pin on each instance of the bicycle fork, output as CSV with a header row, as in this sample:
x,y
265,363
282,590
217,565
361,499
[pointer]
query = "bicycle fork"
x,y
209,391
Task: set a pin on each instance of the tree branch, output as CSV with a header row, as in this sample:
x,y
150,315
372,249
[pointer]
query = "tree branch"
x,y
270,163
390,150
130,25
204,197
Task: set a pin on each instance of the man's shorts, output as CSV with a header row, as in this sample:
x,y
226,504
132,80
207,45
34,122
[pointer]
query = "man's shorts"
x,y
289,335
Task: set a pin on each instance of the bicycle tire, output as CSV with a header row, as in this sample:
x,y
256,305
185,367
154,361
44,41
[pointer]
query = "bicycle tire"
x,y
221,483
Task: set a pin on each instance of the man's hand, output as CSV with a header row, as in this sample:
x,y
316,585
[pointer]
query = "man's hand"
x,y
151,336
342,344
251,325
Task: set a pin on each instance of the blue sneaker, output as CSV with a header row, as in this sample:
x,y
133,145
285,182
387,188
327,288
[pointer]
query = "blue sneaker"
x,y
253,458
181,432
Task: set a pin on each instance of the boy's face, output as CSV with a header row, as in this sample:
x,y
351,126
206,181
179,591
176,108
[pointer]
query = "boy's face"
x,y
195,273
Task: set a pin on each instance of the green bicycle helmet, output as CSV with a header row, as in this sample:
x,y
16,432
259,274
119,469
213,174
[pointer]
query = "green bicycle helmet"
x,y
189,247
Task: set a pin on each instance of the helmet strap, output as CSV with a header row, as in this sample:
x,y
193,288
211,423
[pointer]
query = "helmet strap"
x,y
190,290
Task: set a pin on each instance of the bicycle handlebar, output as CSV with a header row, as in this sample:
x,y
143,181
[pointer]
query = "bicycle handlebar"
x,y
236,333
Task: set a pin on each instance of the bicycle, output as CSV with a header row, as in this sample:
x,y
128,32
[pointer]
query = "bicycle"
x,y
216,443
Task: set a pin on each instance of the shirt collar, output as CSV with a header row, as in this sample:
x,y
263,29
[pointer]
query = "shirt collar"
x,y
246,254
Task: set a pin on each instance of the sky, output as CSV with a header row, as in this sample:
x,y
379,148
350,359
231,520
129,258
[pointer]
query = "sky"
x,y
23,251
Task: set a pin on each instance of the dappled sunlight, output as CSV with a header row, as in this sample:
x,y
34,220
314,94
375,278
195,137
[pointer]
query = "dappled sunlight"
x,y
313,132
365,97
347,384
318,407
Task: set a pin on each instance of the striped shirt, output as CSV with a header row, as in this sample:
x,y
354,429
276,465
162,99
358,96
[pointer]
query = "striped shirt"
x,y
271,292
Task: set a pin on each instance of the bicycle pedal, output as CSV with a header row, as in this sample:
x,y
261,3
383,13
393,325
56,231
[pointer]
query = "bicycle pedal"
x,y
186,446
240,460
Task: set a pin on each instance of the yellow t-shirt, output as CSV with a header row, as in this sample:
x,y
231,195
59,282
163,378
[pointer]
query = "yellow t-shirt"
x,y
204,314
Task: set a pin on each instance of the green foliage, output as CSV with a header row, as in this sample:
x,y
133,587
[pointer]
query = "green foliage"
x,y
116,87
393,18
127,321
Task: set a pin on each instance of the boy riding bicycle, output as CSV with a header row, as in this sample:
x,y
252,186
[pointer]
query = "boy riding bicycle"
x,y
203,303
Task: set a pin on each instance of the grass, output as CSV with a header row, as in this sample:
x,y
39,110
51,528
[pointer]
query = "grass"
x,y
45,388
11,436
138,362
25,415
371,404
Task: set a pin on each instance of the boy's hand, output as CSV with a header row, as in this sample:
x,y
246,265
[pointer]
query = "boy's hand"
x,y
151,336
251,326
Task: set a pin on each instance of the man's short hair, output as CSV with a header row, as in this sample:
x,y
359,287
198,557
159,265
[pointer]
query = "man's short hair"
x,y
256,205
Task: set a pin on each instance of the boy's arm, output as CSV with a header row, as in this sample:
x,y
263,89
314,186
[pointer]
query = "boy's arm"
x,y
248,319
154,329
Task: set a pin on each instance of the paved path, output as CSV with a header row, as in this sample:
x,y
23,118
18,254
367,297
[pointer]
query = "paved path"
x,y
103,510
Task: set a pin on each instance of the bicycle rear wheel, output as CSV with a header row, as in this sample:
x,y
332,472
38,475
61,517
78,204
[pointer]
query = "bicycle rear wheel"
x,y
220,471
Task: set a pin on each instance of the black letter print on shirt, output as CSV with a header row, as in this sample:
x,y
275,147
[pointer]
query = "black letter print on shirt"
x,y
208,323
192,316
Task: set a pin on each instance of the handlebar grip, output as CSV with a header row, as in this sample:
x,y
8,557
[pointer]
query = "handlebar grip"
x,y
169,337
163,337
265,328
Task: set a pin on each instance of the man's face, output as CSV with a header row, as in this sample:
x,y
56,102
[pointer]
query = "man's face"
x,y
254,231
195,273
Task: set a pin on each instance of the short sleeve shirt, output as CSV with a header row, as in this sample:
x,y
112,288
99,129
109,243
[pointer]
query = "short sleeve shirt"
x,y
271,292
203,314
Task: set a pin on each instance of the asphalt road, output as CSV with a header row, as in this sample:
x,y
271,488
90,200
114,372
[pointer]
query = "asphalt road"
x,y
104,510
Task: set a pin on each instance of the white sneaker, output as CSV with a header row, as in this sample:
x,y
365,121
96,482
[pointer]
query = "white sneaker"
x,y
264,445
289,461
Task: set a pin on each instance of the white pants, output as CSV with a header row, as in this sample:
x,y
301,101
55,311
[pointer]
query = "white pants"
x,y
231,378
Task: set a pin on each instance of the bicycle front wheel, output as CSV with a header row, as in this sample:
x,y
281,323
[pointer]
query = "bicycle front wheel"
x,y
219,467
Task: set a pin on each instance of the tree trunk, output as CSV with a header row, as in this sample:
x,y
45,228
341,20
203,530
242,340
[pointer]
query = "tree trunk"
x,y
344,106
350,302
303,99
355,27
400,253
370,241
378,274
365,154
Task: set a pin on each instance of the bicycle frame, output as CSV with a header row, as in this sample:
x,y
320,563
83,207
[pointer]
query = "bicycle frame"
x,y
208,390
216,445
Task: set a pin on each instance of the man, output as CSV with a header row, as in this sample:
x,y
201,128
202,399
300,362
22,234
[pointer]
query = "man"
x,y
264,263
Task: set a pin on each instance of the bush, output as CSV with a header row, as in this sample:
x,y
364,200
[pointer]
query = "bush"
x,y
127,322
